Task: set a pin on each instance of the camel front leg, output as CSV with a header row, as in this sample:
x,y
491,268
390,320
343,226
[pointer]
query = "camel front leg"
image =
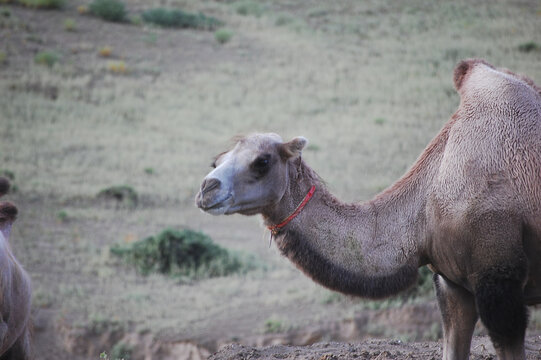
x,y
459,315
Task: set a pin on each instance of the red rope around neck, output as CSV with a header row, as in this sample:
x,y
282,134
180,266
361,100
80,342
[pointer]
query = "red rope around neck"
x,y
275,228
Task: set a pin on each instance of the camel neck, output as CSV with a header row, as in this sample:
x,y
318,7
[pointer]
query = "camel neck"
x,y
371,249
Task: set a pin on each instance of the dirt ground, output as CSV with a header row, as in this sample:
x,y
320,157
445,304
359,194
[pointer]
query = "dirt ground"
x,y
366,350
369,83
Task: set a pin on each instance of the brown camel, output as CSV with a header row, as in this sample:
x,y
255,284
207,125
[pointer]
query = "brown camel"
x,y
469,208
15,292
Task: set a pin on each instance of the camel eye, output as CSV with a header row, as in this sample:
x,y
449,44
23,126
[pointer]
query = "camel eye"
x,y
261,164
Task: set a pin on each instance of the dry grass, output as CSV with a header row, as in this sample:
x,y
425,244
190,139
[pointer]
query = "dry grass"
x,y
368,83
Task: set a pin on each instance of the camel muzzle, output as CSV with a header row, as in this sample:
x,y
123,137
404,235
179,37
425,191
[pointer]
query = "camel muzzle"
x,y
208,196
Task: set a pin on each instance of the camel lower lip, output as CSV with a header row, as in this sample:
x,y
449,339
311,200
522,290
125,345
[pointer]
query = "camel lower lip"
x,y
218,208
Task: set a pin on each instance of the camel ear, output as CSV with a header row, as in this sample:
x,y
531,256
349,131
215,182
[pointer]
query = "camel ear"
x,y
293,148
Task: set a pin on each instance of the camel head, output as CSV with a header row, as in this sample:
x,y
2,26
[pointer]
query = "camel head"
x,y
250,177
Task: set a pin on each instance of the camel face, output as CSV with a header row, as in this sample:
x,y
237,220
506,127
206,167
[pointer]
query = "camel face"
x,y
250,177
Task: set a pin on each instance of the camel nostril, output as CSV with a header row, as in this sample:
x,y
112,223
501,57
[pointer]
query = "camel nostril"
x,y
210,184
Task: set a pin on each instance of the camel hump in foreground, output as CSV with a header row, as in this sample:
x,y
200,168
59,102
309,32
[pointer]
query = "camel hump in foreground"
x,y
15,291
469,208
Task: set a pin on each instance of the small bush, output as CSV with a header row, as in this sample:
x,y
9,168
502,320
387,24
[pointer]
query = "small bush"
x,y
105,51
70,25
283,20
117,67
529,47
48,58
121,194
135,20
248,7
182,253
223,35
4,12
62,216
3,58
273,326
44,4
179,19
110,10
121,351
82,10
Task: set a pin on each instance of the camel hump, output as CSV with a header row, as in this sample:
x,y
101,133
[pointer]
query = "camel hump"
x,y
8,211
464,68
478,81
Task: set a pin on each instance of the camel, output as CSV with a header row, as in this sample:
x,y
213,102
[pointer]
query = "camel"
x,y
469,208
15,295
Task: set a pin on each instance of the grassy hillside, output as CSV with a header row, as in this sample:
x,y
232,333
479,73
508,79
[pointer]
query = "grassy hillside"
x,y
369,83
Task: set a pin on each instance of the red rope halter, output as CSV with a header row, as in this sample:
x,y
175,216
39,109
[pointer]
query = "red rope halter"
x,y
275,228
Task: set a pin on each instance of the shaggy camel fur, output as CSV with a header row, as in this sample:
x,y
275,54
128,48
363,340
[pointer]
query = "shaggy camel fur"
x,y
15,292
469,208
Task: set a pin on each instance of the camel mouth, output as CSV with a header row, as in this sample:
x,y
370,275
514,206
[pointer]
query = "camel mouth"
x,y
219,207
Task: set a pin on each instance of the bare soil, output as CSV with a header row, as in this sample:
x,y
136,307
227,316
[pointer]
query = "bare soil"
x,y
366,350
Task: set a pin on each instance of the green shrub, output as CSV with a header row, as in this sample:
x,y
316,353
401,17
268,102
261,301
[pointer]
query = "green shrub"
x,y
273,326
4,12
62,216
44,4
120,193
223,35
110,10
70,25
182,253
179,19
121,351
48,58
529,47
248,7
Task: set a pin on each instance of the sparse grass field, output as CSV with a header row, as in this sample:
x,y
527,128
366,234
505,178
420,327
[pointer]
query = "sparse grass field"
x,y
368,83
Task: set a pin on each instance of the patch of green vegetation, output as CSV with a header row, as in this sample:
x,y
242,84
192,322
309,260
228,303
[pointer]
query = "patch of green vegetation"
x,y
332,297
48,58
62,216
5,12
379,121
70,25
273,326
283,20
43,4
121,351
529,47
179,19
223,35
109,10
99,324
7,174
136,20
424,282
150,171
248,7
313,147
120,193
183,253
